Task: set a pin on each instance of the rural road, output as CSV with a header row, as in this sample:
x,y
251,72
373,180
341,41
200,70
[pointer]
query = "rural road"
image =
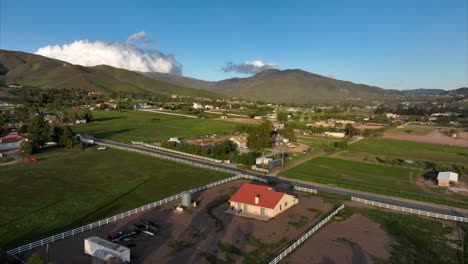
x,y
440,209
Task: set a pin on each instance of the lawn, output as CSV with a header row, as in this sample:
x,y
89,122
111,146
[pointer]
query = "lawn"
x,y
315,142
387,180
69,188
387,148
129,126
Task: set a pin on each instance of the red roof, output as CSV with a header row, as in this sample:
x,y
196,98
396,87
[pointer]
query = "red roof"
x,y
269,198
12,138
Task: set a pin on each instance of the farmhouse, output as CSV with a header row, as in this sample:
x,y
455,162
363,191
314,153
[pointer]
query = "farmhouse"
x,y
259,201
445,177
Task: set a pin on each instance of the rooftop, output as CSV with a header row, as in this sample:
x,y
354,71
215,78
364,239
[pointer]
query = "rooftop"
x,y
246,194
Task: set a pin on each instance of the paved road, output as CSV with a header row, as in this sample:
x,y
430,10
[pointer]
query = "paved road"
x,y
323,188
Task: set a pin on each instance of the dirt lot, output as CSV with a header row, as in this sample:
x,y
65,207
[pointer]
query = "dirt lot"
x,y
434,137
352,241
195,235
242,120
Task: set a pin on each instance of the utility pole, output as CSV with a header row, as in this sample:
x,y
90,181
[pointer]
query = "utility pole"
x,y
282,156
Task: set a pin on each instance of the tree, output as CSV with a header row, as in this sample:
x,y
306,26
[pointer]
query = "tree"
x,y
350,131
288,133
67,137
39,132
260,137
282,116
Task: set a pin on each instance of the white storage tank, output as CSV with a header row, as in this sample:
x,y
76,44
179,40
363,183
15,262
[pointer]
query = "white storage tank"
x,y
186,199
102,249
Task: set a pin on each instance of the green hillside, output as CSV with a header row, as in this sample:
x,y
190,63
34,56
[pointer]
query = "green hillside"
x,y
34,70
287,86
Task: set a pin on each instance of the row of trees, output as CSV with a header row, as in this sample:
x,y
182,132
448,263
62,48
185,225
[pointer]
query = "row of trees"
x,y
40,132
222,150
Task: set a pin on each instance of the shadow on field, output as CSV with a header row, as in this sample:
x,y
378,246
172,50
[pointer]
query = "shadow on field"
x,y
106,210
462,154
102,119
110,133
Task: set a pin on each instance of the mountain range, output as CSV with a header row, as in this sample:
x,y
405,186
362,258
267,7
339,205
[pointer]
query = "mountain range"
x,y
38,71
274,86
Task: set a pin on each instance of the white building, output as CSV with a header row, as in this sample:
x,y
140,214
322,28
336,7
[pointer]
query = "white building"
x,y
80,121
197,106
391,115
174,139
444,178
335,134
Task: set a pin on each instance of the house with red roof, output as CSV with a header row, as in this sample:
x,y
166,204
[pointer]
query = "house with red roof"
x,y
260,200
11,141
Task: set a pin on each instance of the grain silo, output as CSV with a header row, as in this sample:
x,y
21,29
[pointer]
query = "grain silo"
x,y
186,199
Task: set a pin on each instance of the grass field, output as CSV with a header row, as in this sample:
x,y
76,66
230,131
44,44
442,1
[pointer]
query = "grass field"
x,y
143,126
69,188
315,142
387,180
387,148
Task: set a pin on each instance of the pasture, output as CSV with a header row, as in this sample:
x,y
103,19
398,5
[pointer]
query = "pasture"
x,y
386,180
387,148
69,188
126,126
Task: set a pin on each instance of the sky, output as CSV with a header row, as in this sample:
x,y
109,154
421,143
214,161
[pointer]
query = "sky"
x,y
391,44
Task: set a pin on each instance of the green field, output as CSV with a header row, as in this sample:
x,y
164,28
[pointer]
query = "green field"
x,y
315,142
387,180
126,126
69,188
387,148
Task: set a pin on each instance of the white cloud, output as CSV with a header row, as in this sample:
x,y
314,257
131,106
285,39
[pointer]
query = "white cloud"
x,y
120,55
250,67
136,36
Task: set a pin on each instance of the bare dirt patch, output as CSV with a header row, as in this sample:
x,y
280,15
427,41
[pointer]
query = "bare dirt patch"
x,y
435,137
242,120
356,240
195,236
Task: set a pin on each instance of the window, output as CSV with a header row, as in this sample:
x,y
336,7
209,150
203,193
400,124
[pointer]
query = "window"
x,y
262,211
285,203
280,207
246,208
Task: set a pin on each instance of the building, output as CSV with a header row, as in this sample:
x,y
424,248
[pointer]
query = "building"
x,y
240,141
259,200
391,115
335,134
11,141
80,121
197,106
445,177
174,139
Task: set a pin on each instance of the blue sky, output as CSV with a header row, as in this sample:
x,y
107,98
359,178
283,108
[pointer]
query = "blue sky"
x,y
392,44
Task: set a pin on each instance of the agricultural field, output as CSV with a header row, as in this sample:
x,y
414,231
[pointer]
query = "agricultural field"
x,y
363,235
204,234
315,142
127,126
69,188
386,180
387,148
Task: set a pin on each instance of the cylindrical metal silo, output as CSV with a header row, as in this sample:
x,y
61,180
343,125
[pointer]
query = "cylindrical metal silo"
x,y
186,199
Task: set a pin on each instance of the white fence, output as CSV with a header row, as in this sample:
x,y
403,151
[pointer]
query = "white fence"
x,y
79,230
410,210
142,151
178,152
304,189
306,236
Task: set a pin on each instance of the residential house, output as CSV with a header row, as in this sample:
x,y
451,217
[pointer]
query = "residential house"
x,y
11,141
253,200
197,106
240,141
